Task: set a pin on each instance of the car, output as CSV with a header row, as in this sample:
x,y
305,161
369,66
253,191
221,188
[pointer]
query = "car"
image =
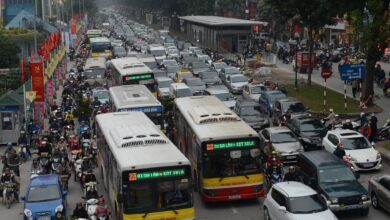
x,y
45,198
102,93
309,130
248,111
253,90
163,85
205,58
171,70
267,99
168,62
283,141
119,52
182,74
210,77
132,54
218,66
282,105
197,66
235,83
379,191
362,155
177,90
294,200
227,71
332,178
172,53
197,86
223,94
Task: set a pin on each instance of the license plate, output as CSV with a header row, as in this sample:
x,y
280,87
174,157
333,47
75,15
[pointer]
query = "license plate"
x,y
368,164
44,218
235,197
291,157
352,207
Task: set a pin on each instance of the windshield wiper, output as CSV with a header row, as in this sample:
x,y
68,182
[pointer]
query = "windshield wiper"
x,y
173,210
146,213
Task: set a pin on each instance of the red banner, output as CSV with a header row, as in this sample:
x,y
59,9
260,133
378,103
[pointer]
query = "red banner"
x,y
23,69
37,80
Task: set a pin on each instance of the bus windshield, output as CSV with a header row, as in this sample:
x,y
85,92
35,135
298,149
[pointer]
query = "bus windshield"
x,y
154,196
222,165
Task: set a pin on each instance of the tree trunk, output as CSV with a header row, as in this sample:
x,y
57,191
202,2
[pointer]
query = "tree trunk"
x,y
310,42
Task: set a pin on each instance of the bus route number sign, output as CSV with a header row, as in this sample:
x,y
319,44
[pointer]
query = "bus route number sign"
x,y
229,145
156,174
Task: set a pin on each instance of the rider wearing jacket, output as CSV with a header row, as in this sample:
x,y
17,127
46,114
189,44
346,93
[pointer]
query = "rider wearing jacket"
x,y
9,177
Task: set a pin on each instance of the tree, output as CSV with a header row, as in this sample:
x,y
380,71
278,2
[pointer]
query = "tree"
x,y
8,52
313,14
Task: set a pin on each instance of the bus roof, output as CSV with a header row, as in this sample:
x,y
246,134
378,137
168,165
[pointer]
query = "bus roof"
x,y
130,65
99,40
95,63
132,96
210,119
136,143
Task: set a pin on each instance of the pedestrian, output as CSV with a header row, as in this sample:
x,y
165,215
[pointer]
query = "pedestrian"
x,y
354,87
239,60
366,130
374,126
363,119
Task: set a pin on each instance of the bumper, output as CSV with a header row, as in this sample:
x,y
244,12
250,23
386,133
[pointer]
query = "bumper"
x,y
236,90
229,194
367,166
339,208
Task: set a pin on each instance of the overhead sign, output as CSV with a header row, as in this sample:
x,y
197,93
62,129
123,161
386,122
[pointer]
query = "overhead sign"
x,y
352,71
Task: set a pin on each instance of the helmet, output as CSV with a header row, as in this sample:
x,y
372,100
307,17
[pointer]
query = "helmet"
x,y
361,113
347,121
9,144
274,153
101,200
331,110
62,137
291,168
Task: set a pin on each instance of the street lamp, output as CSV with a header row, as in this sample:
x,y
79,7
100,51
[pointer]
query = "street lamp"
x,y
295,44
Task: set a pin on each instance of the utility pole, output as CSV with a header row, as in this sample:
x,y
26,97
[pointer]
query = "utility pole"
x,y
35,29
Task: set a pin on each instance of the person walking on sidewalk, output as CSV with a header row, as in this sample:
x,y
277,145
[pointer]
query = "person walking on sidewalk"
x,y
354,87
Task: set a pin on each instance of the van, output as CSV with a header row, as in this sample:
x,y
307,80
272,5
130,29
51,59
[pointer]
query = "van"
x,y
331,177
178,90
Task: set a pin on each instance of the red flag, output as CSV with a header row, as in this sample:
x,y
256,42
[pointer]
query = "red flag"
x,y
23,68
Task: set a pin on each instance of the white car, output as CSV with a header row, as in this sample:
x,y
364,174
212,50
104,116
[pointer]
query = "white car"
x,y
361,153
236,82
253,90
223,94
163,85
295,201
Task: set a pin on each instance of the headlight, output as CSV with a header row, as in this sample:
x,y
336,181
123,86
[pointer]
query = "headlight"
x,y
378,156
364,197
27,212
334,200
59,208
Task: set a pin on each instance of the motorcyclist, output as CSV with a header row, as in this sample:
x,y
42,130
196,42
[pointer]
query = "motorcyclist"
x,y
69,118
33,126
291,175
83,117
89,177
9,177
45,148
102,210
10,151
87,134
86,164
273,164
285,117
96,103
80,212
332,118
62,145
347,125
35,167
46,137
363,119
339,151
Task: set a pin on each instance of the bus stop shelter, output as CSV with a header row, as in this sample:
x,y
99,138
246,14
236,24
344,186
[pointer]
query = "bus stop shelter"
x,y
230,34
11,115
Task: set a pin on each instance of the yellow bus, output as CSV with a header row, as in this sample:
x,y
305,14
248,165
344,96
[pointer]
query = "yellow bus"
x,y
145,175
101,47
224,151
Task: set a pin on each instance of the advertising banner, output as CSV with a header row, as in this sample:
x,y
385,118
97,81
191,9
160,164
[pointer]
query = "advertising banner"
x,y
37,80
39,113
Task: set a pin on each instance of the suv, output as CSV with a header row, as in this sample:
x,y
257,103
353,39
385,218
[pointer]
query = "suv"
x,y
281,106
310,131
248,110
362,156
331,177
294,200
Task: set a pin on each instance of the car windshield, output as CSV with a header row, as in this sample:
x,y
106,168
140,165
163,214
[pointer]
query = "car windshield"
x,y
102,94
274,96
306,204
221,164
256,89
164,84
183,93
209,75
249,111
231,71
199,65
225,96
170,63
312,125
220,65
157,52
43,193
355,143
237,79
94,74
293,106
194,82
173,51
283,137
339,174
157,196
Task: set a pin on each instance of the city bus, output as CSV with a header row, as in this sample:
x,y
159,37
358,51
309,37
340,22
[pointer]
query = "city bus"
x,y
137,98
144,173
94,33
224,151
95,70
101,47
130,71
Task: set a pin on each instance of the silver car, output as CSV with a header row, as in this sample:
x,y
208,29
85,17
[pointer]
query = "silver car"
x,y
379,190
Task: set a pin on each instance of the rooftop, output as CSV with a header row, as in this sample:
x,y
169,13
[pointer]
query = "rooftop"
x,y
220,21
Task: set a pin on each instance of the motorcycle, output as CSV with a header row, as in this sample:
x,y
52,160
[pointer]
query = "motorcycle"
x,y
23,152
55,164
44,162
55,136
91,206
77,169
34,139
274,178
9,194
384,132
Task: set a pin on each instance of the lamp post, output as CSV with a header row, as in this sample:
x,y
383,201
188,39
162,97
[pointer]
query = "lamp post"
x,y
295,44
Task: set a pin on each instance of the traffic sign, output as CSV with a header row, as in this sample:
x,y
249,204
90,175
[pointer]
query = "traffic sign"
x,y
326,72
352,71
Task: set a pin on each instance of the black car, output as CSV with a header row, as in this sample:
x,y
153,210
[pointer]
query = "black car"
x,y
249,111
331,177
309,130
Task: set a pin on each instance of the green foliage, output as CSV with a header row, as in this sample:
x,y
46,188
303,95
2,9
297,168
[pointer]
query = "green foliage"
x,y
8,52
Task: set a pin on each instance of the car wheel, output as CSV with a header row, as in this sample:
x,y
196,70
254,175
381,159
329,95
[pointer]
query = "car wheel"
x,y
266,214
374,201
364,212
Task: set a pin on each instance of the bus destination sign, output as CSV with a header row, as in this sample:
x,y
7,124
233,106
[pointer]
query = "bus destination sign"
x,y
156,174
139,77
230,145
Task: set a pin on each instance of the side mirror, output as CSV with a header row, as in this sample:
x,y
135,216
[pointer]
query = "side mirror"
x,y
282,209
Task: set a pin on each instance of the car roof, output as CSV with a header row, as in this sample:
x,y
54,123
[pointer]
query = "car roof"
x,y
247,102
256,85
288,99
294,189
345,133
40,180
270,92
236,75
277,129
179,86
323,159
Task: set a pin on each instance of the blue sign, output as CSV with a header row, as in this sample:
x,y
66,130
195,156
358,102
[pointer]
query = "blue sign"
x,y
153,109
9,108
352,71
